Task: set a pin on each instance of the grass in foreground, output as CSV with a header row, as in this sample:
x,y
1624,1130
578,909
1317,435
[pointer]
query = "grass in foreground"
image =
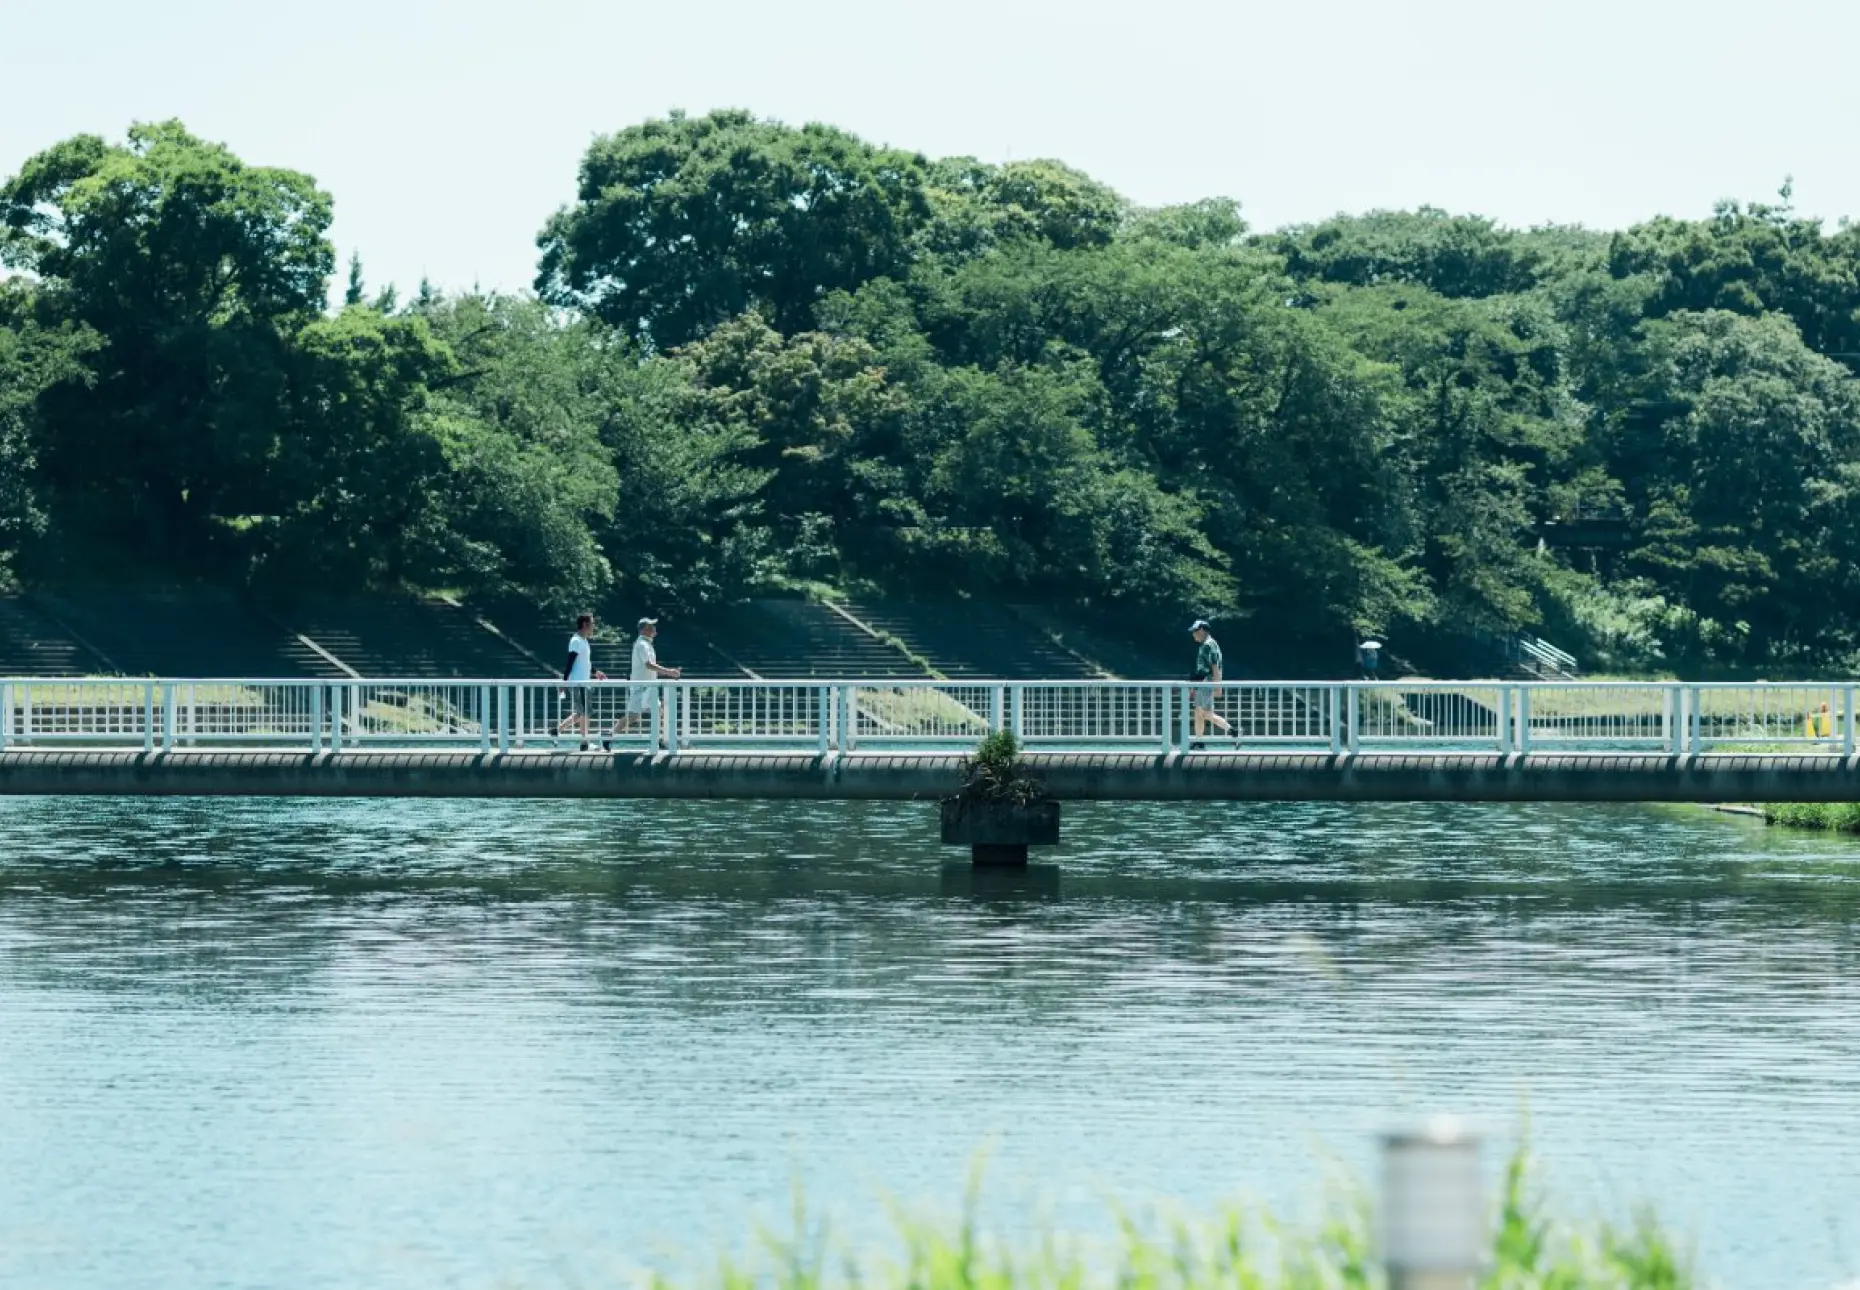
x,y
1234,1249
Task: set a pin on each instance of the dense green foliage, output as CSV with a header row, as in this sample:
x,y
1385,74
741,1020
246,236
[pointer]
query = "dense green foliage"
x,y
765,357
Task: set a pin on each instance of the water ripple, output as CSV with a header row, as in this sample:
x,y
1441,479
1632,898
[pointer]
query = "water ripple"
x,y
331,1043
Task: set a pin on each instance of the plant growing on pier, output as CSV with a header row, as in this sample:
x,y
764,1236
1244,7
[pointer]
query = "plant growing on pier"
x,y
994,774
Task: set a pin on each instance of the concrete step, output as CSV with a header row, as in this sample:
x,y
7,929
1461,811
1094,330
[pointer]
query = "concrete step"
x,y
966,639
31,644
177,631
411,637
799,639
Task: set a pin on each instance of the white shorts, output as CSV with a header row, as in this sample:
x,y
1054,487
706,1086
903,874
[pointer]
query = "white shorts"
x,y
639,699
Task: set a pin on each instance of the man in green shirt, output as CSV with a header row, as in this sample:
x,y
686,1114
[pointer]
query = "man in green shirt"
x,y
1207,676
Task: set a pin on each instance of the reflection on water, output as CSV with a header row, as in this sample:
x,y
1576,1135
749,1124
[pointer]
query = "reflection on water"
x,y
340,1043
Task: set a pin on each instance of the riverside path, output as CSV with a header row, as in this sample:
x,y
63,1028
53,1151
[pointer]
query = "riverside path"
x,y
1087,740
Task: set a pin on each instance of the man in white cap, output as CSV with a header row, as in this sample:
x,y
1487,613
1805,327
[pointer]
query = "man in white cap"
x,y
641,694
1207,676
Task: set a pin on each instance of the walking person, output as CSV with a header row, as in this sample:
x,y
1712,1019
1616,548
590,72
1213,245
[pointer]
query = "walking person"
x,y
576,674
1369,658
642,694
1207,676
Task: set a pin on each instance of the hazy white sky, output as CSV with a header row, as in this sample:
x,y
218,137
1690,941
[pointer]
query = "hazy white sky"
x,y
448,131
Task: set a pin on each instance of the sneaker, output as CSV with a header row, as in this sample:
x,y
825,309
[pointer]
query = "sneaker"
x,y
607,744
1197,746
584,745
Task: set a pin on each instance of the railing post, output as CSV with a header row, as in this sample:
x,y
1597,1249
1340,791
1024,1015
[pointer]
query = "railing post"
x,y
316,719
823,703
1847,721
997,708
849,717
1524,718
1184,703
1693,741
655,720
167,716
1165,701
1506,719
1353,719
503,719
335,717
6,713
671,719
1015,693
25,714
148,716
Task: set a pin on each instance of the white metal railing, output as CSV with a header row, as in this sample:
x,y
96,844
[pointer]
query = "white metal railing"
x,y
1675,718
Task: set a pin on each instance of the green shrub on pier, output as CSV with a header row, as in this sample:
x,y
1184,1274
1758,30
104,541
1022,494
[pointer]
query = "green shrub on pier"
x,y
993,774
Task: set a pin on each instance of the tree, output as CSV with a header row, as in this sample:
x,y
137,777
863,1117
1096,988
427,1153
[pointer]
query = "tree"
x,y
975,208
1486,428
528,481
32,360
682,223
194,270
1454,255
805,407
688,528
1745,485
1211,223
358,485
1750,259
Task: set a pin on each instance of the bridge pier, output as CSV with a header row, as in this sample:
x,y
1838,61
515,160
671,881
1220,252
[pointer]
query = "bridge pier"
x,y
999,833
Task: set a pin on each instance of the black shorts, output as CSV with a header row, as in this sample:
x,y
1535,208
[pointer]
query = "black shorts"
x,y
577,696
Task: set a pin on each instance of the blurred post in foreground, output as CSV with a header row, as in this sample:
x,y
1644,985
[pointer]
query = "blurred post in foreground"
x,y
1433,1208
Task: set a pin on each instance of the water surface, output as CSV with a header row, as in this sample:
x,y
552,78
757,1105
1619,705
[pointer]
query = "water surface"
x,y
490,1044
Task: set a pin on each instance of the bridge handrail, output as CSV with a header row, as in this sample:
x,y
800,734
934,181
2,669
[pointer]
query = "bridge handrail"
x,y
1409,683
843,715
1543,649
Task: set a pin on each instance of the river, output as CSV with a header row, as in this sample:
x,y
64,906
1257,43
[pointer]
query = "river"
x,y
270,1043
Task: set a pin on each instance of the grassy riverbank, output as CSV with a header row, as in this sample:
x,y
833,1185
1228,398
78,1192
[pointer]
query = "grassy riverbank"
x,y
1234,1248
1829,817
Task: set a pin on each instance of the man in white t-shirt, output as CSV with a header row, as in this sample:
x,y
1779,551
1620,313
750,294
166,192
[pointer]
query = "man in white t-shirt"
x,y
575,676
642,693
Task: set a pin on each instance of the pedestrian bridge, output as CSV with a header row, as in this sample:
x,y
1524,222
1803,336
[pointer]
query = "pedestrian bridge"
x,y
1087,740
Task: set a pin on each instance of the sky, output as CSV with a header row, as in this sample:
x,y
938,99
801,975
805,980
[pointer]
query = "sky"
x,y
447,132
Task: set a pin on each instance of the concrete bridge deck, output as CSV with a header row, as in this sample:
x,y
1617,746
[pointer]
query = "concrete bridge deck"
x,y
925,776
